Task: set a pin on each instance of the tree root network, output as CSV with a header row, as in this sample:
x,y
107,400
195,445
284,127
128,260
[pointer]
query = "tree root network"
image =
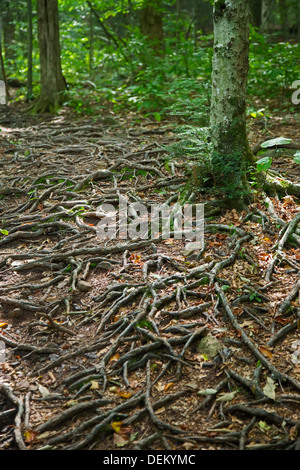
x,y
102,342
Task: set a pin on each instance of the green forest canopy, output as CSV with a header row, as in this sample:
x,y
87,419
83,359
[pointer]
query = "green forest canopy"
x,y
102,43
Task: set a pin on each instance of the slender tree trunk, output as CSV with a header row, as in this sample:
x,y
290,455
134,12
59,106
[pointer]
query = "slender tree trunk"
x,y
52,80
2,68
4,89
283,12
266,10
29,50
91,41
231,154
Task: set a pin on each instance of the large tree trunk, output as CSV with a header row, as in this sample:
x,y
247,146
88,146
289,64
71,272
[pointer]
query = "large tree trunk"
x,y
231,154
9,25
52,80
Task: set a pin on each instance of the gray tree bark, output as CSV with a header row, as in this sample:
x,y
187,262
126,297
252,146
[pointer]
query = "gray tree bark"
x,y
231,154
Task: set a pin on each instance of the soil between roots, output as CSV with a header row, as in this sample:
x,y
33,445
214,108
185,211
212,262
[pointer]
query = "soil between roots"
x,y
102,339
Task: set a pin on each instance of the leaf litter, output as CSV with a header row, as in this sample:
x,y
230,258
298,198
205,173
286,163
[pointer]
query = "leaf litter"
x,y
101,341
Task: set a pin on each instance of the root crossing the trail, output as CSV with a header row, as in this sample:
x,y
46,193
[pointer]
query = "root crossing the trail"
x,y
139,343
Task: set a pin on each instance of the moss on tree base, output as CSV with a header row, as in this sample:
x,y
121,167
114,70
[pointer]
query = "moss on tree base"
x,y
45,105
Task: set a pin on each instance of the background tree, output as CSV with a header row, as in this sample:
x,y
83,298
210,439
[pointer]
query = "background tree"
x,y
29,50
52,80
202,16
151,23
266,13
9,26
91,43
2,70
128,72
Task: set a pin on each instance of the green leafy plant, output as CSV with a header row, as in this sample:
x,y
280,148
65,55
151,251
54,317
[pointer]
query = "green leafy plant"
x,y
254,296
264,163
297,157
272,66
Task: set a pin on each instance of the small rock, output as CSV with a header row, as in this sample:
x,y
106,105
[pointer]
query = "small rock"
x,y
187,253
53,357
210,346
84,286
105,265
23,385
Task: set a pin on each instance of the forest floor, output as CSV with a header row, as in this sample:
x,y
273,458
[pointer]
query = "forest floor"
x,y
141,344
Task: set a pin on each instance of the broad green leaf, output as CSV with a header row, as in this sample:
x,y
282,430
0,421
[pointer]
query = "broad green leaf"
x,y
263,425
204,356
297,157
263,164
225,287
256,114
227,396
157,116
274,142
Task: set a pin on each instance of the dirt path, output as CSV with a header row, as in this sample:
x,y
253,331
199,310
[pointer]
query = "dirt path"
x,y
102,342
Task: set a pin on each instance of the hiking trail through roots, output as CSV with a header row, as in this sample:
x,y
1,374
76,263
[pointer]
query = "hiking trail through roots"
x,y
139,344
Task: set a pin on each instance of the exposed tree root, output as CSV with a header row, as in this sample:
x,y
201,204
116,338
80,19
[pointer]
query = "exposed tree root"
x,y
108,334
